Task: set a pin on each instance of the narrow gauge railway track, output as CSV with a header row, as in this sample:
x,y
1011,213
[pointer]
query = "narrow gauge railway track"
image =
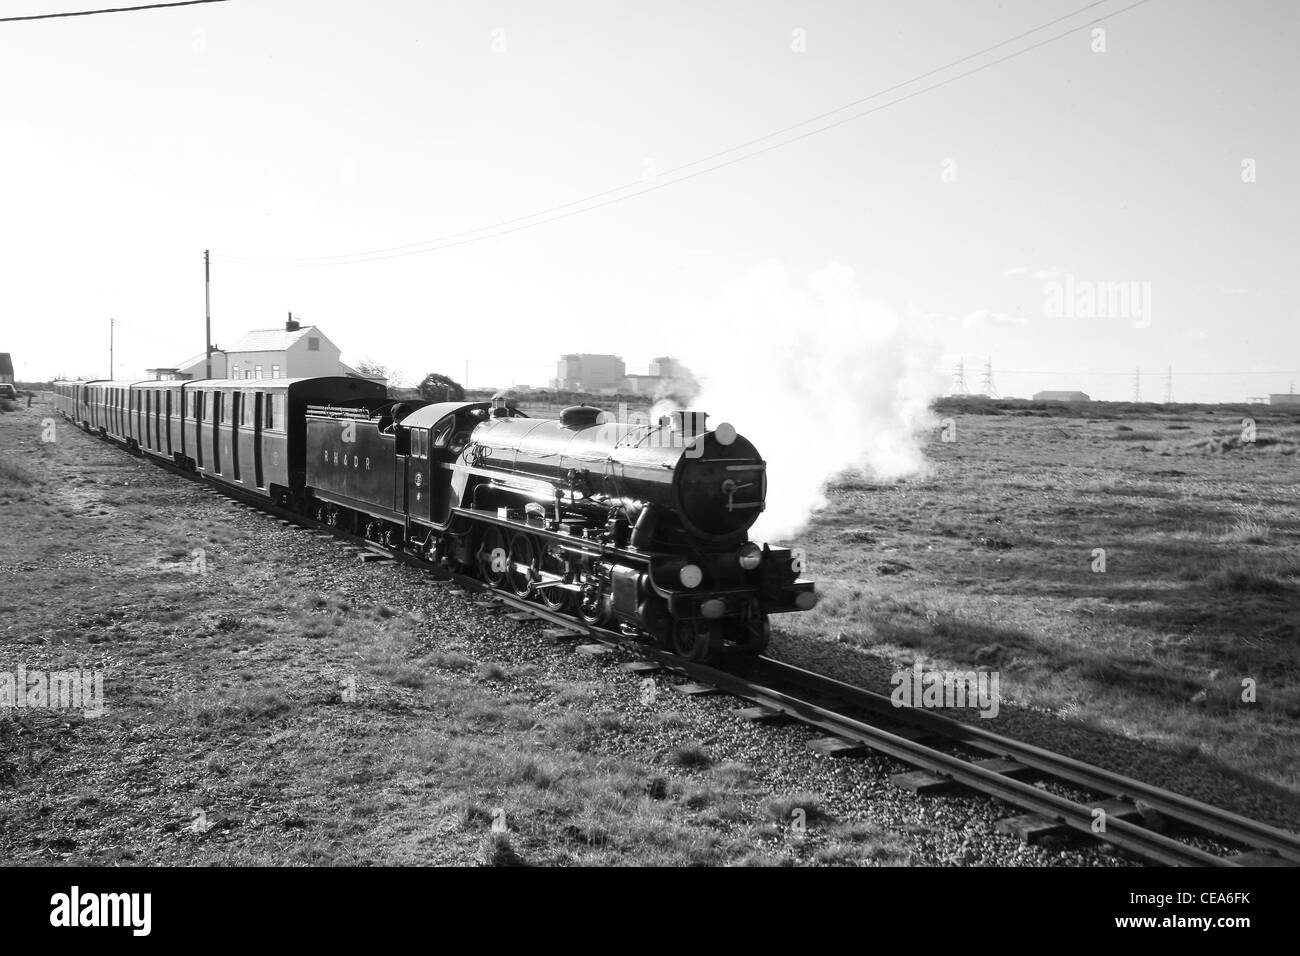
x,y
854,717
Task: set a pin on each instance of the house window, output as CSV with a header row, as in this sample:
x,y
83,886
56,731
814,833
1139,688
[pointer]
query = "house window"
x,y
313,344
257,371
275,371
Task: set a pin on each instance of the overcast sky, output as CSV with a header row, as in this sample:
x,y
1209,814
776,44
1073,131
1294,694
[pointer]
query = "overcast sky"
x,y
289,129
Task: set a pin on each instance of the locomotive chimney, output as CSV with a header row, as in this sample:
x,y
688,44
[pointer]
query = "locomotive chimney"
x,y
292,325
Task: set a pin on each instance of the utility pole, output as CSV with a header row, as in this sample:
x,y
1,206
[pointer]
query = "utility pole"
x,y
207,312
1137,385
110,349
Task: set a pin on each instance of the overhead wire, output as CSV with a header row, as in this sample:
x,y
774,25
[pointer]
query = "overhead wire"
x,y
495,230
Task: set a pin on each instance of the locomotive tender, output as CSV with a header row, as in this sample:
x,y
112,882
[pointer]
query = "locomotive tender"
x,y
637,526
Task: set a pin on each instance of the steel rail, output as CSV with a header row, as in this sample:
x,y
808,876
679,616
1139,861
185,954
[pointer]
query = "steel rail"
x,y
1166,802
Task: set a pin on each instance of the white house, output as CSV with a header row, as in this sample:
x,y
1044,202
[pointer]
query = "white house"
x,y
295,351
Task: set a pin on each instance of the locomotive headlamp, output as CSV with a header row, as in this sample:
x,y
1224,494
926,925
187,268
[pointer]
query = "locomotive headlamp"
x,y
750,556
691,575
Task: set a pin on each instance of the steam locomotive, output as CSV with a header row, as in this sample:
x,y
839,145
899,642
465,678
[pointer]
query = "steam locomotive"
x,y
640,526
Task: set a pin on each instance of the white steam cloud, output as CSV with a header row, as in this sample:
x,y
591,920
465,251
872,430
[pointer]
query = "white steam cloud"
x,y
820,378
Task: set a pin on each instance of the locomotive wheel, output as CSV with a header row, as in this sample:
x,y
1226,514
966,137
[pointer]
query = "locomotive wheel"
x,y
695,641
760,638
521,552
594,607
656,621
554,598
492,556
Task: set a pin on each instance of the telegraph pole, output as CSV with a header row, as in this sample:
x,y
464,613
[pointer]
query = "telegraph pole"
x,y
110,349
207,312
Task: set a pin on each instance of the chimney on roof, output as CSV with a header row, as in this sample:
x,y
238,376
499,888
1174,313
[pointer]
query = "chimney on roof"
x,y
291,325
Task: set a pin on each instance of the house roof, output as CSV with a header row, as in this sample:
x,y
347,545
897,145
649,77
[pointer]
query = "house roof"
x,y
201,357
6,364
272,340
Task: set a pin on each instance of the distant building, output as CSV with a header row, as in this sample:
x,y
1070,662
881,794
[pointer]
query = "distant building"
x,y
1061,397
6,369
640,384
668,367
1287,398
589,373
295,351
192,368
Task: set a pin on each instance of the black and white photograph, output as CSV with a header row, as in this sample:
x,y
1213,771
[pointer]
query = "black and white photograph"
x,y
810,435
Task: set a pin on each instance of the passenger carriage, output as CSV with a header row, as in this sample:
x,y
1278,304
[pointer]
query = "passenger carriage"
x,y
251,433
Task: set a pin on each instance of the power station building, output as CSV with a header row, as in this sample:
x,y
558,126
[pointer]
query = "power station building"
x,y
590,373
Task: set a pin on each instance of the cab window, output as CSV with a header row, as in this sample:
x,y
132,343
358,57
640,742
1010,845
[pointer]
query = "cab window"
x,y
442,432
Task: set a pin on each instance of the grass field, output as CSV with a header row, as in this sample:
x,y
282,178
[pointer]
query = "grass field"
x,y
992,561
289,705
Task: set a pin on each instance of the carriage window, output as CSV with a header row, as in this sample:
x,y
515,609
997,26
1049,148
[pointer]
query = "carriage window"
x,y
277,403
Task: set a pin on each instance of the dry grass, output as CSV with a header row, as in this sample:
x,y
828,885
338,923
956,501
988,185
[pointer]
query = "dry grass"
x,y
1200,590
